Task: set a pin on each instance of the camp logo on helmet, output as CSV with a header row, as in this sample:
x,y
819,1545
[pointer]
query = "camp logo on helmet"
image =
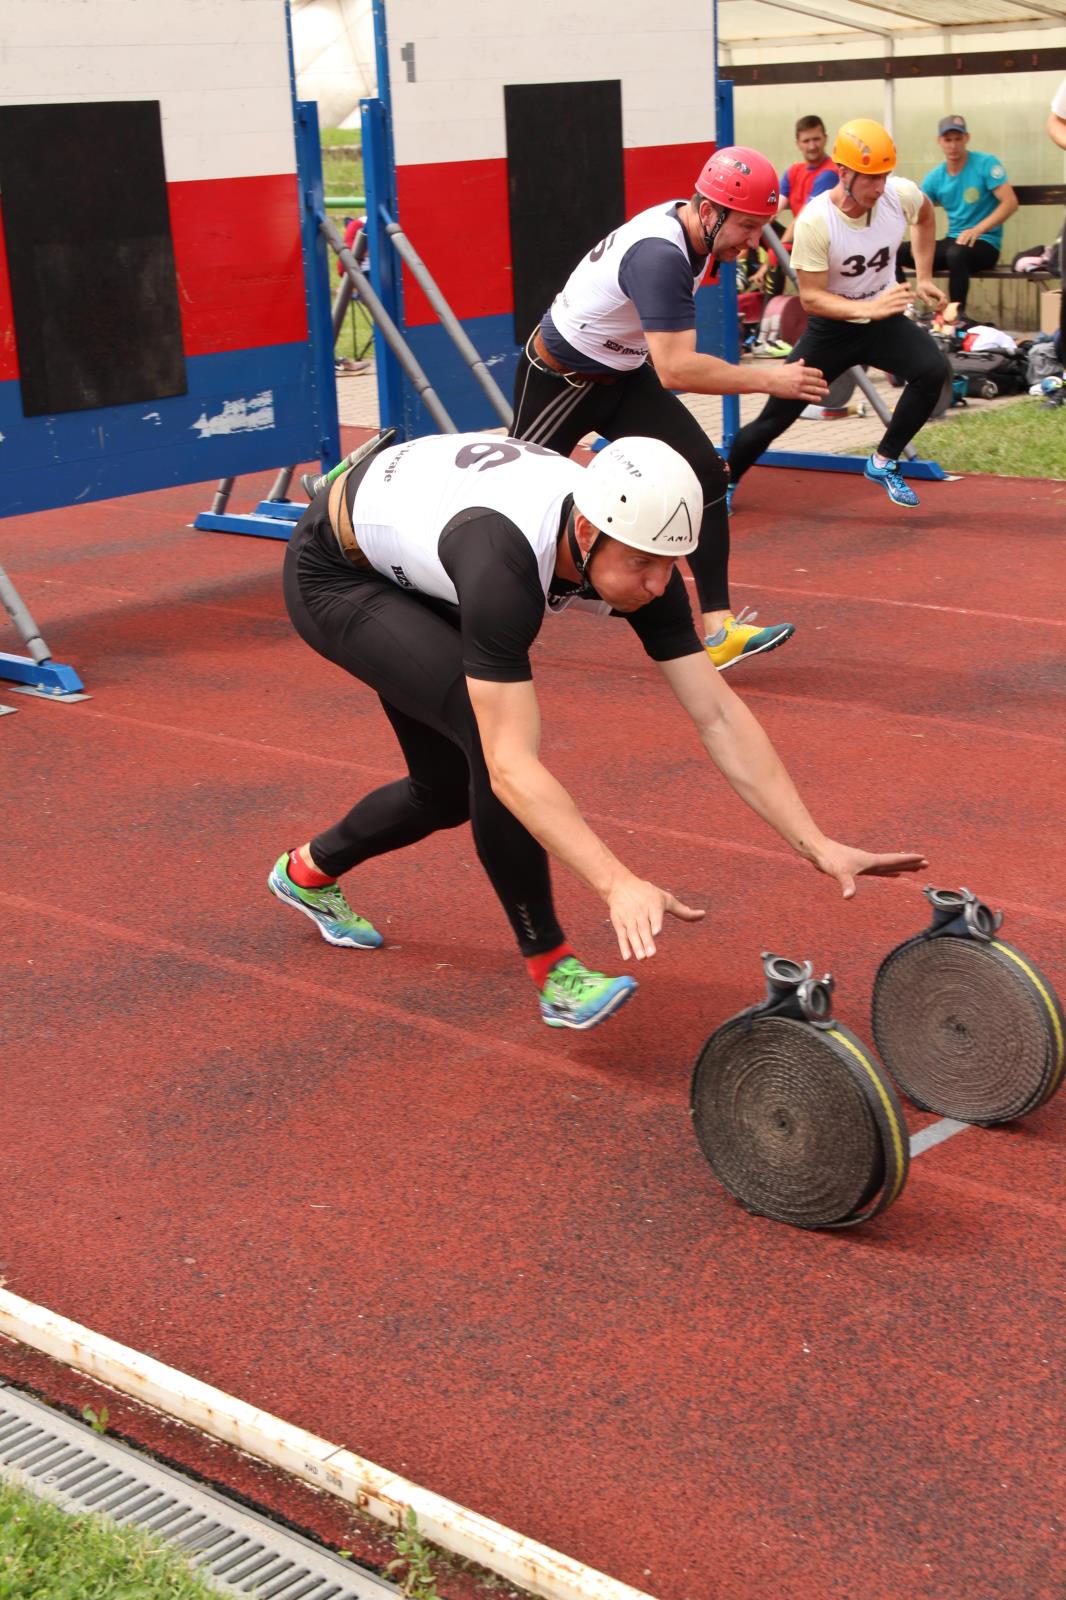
x,y
739,166
684,536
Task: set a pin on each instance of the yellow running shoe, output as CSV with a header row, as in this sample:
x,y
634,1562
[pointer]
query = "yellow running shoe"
x,y
742,639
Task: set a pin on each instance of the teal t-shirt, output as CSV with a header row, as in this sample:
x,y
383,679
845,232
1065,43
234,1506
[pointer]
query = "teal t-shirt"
x,y
967,196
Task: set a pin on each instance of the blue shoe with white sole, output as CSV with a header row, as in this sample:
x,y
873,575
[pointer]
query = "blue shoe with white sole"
x,y
898,491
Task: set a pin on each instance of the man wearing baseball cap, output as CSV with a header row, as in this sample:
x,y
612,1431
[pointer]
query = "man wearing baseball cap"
x,y
972,187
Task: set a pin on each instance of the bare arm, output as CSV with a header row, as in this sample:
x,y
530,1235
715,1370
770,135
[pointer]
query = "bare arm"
x,y
819,301
739,747
679,365
508,719
1008,205
923,247
1056,130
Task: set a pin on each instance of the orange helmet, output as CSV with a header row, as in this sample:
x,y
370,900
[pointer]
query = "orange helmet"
x,y
864,146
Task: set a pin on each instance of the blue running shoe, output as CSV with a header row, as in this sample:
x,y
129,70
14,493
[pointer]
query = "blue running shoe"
x,y
327,908
730,492
574,997
897,490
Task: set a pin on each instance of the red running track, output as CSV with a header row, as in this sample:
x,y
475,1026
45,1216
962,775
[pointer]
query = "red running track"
x,y
372,1194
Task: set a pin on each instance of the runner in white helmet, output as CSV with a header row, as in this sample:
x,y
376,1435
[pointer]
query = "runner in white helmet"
x,y
426,571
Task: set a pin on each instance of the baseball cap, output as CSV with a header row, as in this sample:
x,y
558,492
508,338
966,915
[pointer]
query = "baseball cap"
x,y
951,125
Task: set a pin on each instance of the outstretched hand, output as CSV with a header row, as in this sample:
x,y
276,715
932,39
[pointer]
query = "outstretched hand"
x,y
845,863
637,909
795,380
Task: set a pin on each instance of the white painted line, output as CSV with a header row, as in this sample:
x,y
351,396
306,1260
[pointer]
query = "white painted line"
x,y
936,1133
351,1478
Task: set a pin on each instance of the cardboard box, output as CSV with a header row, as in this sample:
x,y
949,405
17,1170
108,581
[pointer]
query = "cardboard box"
x,y
1050,310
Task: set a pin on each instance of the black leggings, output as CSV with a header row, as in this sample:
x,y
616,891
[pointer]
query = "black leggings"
x,y
550,410
896,345
409,651
959,261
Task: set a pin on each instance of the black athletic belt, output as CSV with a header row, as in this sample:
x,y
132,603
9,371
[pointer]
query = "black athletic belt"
x,y
340,516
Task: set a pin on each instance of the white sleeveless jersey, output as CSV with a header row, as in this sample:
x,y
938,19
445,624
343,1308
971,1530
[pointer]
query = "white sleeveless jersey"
x,y
412,491
593,312
861,254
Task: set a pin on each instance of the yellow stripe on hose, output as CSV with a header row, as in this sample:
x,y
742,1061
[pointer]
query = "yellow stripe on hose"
x,y
893,1122
1060,1048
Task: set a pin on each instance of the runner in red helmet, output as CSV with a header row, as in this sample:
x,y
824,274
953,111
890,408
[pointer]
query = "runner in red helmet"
x,y
622,334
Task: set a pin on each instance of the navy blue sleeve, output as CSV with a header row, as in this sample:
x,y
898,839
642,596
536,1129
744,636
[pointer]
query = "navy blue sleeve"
x,y
665,627
501,602
658,279
823,183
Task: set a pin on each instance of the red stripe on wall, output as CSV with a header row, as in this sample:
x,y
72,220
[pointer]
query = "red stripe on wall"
x,y
458,219
239,267
662,172
240,270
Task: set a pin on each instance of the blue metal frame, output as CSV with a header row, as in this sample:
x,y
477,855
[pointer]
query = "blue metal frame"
x,y
49,678
379,177
379,181
274,519
730,331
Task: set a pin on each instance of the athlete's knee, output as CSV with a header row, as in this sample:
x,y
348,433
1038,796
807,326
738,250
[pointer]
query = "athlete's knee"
x,y
709,468
447,804
931,373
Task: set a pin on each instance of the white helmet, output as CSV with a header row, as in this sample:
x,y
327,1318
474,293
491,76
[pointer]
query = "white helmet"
x,y
642,493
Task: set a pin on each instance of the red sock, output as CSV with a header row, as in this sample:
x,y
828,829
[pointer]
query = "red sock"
x,y
306,877
538,967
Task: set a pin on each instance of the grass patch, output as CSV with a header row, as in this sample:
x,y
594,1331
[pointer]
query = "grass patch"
x,y
1023,440
342,174
48,1554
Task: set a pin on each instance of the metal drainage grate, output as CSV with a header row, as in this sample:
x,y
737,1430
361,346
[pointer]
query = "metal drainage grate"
x,y
235,1550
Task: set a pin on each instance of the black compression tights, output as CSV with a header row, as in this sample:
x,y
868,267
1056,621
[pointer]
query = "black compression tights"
x,y
550,411
410,654
896,345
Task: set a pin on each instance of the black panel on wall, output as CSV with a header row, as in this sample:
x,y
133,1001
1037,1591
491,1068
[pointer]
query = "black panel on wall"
x,y
566,183
90,256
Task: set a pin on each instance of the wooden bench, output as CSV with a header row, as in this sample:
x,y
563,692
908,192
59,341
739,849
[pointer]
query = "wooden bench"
x,y
1001,295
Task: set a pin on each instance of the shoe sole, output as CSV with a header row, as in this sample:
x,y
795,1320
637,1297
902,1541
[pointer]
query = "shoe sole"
x,y
286,899
760,649
614,1004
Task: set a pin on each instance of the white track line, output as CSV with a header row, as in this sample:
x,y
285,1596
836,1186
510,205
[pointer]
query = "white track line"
x,y
935,1133
327,1466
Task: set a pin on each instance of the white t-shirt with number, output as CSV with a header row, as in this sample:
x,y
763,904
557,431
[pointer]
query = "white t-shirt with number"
x,y
857,253
411,492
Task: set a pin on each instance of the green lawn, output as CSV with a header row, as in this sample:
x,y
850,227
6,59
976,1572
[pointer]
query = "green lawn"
x,y
1023,440
48,1554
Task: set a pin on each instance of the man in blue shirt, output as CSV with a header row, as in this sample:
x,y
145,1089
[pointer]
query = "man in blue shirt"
x,y
973,189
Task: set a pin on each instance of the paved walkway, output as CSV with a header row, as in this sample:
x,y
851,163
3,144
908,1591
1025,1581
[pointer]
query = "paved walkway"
x,y
357,399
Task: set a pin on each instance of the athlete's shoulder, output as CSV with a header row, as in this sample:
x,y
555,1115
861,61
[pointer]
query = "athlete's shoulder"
x,y
810,242
908,194
992,169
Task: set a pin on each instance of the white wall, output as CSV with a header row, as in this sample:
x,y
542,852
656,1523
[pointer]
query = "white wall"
x,y
466,50
220,69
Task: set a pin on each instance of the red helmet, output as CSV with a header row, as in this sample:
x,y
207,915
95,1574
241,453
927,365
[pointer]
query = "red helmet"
x,y
740,179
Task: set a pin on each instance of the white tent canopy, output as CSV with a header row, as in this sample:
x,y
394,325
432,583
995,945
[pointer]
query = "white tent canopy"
x,y
911,26
333,46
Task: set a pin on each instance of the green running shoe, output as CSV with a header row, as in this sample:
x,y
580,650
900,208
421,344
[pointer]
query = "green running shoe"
x,y
337,922
574,997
